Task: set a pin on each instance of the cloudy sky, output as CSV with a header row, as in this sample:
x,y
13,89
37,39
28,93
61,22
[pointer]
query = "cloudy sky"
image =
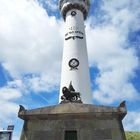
x,y
31,45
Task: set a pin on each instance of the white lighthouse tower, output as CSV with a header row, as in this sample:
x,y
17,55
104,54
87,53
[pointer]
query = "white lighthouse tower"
x,y
75,68
72,119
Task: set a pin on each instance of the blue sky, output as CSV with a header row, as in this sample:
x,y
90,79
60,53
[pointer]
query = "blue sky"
x,y
31,45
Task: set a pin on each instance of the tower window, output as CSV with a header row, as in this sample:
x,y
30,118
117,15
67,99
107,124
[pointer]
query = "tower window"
x,y
73,13
70,135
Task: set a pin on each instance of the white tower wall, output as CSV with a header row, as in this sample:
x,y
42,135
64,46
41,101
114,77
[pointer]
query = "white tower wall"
x,y
75,50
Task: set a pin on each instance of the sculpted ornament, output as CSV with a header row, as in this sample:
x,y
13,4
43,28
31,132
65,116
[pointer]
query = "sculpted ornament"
x,y
69,94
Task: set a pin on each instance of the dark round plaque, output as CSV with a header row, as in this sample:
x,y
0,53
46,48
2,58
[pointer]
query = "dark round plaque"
x,y
74,63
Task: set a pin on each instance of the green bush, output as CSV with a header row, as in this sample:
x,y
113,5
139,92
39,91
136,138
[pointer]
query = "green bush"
x,y
132,135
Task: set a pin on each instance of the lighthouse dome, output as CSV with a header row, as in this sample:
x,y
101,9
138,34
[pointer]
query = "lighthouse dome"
x,y
66,5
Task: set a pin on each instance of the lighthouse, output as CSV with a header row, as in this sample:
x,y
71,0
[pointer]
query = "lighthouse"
x,y
75,68
75,118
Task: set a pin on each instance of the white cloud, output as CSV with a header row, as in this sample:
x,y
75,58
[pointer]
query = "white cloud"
x,y
30,41
17,83
41,83
123,14
110,52
8,111
36,83
115,62
8,107
132,121
9,94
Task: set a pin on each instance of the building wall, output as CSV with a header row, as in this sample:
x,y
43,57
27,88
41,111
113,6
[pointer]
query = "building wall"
x,y
87,129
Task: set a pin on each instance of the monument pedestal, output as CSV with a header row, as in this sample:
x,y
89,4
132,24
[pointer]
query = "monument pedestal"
x,y
73,121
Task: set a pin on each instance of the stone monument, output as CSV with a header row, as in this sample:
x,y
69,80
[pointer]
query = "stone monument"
x,y
75,118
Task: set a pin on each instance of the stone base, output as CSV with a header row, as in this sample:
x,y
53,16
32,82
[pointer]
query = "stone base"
x,y
74,120
67,101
